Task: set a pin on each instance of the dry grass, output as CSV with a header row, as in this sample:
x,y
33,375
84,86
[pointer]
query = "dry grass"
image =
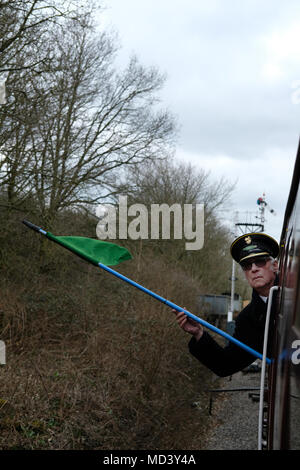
x,y
94,364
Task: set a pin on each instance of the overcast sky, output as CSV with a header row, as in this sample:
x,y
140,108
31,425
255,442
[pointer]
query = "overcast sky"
x,y
233,82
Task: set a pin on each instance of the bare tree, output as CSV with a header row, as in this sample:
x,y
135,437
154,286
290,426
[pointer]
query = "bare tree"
x,y
23,26
24,46
84,121
174,182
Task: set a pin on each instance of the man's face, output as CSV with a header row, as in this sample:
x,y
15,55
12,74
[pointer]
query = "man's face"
x,y
261,275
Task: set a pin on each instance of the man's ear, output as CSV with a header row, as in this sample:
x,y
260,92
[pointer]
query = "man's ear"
x,y
275,266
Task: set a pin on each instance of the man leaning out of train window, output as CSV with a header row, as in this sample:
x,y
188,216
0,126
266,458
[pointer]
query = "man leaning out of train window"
x,y
256,253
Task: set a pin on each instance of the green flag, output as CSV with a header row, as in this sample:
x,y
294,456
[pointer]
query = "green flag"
x,y
95,251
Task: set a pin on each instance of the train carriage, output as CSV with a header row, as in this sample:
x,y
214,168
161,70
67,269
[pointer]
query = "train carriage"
x,y
283,411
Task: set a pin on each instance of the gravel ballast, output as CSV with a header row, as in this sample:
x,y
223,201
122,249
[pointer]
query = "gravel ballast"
x,y
235,414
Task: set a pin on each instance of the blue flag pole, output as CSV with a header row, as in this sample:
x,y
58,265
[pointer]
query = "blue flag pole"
x,y
166,302
187,313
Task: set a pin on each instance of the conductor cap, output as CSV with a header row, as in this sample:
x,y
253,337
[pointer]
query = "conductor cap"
x,y
250,245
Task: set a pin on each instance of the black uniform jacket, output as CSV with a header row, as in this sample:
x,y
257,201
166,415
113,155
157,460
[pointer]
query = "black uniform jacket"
x,y
249,329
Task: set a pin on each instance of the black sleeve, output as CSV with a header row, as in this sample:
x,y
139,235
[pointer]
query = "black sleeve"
x,y
223,361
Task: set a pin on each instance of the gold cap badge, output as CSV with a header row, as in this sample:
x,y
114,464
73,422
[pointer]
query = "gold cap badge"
x,y
248,240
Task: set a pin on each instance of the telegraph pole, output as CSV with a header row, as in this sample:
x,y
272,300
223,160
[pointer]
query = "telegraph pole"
x,y
261,201
233,279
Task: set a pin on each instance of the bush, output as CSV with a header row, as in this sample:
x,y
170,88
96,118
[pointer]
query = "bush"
x,y
93,363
